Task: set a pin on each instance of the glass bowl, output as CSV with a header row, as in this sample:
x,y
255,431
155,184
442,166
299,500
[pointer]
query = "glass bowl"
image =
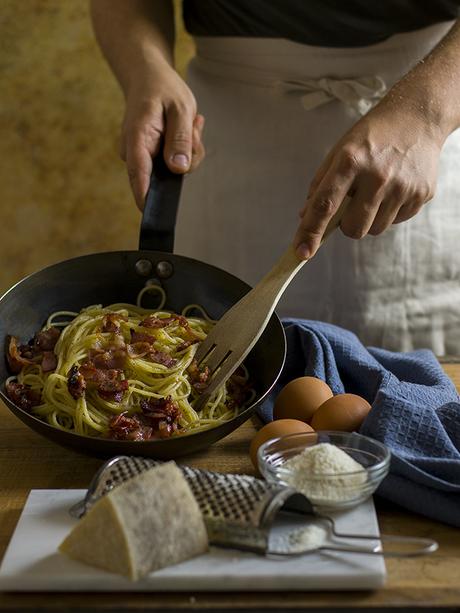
x,y
327,491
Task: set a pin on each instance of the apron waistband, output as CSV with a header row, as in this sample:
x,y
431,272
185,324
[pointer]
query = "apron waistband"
x,y
357,76
360,93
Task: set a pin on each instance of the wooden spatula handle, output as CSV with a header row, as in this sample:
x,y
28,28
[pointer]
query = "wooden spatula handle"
x,y
230,341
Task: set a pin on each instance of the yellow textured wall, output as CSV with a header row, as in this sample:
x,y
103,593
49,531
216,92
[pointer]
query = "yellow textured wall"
x,y
63,188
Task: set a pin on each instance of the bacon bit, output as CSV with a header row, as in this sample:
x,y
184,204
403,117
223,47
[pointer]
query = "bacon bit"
x,y
49,361
76,383
124,428
238,389
165,429
39,350
141,337
46,340
14,356
160,357
181,320
112,396
162,414
105,380
199,376
111,359
108,382
159,418
111,322
140,350
152,321
29,352
90,373
22,395
113,385
187,344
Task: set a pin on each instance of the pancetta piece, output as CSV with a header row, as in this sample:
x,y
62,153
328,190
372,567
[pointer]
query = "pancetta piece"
x,y
22,395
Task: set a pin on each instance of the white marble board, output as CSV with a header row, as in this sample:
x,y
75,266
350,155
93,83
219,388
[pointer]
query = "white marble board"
x,y
32,562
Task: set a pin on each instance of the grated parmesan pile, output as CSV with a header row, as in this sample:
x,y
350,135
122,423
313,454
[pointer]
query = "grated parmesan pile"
x,y
308,470
303,540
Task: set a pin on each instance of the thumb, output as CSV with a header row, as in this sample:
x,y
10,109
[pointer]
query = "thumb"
x,y
178,141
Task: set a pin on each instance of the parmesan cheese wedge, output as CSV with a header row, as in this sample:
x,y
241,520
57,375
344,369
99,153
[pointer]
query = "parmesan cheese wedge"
x,y
147,523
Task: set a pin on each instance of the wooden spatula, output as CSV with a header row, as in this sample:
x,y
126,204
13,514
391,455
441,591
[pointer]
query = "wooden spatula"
x,y
236,333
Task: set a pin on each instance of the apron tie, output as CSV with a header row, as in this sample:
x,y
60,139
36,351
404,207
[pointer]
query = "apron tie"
x,y
361,94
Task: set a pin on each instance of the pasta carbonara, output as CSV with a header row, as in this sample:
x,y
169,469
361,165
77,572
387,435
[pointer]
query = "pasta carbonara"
x,y
121,371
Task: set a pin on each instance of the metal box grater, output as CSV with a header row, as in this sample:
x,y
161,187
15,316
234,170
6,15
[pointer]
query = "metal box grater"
x,y
238,510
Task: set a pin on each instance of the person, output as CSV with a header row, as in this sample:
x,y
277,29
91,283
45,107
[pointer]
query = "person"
x,y
306,103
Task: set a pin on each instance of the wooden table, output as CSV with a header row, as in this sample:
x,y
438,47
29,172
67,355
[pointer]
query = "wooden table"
x,y
28,461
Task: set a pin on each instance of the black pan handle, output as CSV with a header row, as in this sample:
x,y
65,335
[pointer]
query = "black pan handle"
x,y
160,210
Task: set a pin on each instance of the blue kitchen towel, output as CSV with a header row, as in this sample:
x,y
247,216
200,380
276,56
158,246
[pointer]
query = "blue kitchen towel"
x,y
415,410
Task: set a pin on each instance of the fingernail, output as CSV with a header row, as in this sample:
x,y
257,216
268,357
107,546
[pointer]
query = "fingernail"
x,y
303,251
181,160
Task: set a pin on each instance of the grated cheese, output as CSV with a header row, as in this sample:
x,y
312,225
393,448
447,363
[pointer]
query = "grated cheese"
x,y
318,473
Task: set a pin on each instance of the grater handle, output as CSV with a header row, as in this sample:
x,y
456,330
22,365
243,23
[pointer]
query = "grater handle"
x,y
418,547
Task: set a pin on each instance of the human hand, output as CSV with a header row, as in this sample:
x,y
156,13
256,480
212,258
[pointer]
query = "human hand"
x,y
387,163
159,104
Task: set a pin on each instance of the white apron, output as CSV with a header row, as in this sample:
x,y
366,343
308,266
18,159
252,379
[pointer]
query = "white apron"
x,y
271,117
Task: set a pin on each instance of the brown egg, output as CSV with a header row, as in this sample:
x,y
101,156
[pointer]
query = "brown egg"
x,y
300,398
276,429
342,412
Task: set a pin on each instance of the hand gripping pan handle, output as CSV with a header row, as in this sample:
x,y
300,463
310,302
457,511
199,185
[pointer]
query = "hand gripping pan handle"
x,y
160,210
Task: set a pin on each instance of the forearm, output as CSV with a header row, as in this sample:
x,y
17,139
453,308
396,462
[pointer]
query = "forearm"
x,y
432,88
134,35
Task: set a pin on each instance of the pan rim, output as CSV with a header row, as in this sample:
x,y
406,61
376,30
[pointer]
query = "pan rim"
x,y
122,252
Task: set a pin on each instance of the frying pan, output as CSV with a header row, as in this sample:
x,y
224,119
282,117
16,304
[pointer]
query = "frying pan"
x,y
118,276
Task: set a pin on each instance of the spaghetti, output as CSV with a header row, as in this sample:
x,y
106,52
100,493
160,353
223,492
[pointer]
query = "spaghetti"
x,y
122,371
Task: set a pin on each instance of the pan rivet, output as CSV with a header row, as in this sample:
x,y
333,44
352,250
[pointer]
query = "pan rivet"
x,y
143,267
164,269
